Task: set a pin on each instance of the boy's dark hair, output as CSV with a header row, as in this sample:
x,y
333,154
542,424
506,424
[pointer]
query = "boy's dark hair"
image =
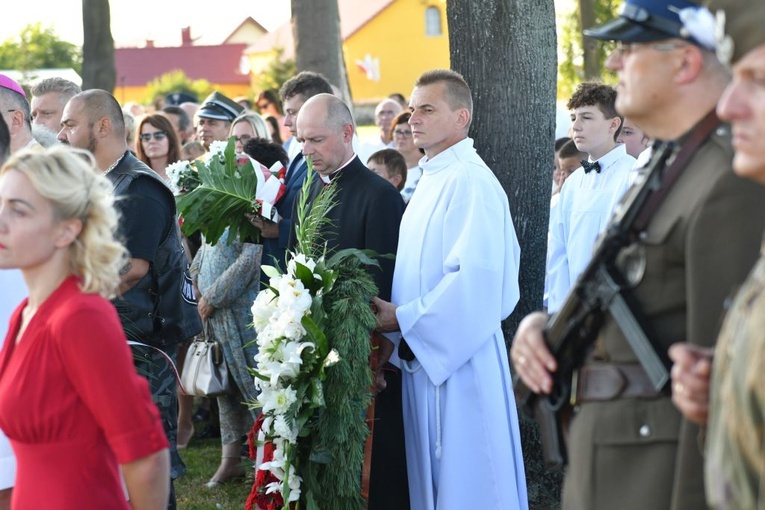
x,y
394,162
569,150
560,142
266,152
600,95
305,83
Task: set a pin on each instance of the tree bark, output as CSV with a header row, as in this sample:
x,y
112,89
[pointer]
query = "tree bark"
x,y
98,67
318,41
506,50
590,47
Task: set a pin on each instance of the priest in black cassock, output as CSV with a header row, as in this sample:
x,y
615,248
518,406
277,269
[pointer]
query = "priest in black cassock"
x,y
367,216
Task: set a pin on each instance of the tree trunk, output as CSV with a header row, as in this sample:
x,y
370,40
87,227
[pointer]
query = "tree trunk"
x,y
590,47
318,43
506,50
98,68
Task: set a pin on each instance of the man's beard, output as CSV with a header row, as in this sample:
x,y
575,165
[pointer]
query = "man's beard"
x,y
44,135
92,143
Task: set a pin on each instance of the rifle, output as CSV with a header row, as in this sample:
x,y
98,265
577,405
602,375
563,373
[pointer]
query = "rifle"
x,y
571,332
601,288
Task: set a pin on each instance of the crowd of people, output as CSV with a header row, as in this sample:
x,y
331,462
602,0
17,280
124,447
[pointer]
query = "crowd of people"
x,y
102,293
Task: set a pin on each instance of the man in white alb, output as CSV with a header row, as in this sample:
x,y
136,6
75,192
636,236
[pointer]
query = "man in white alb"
x,y
456,278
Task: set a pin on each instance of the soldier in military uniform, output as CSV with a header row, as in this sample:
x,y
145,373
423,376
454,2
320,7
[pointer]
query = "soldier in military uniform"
x,y
735,441
628,446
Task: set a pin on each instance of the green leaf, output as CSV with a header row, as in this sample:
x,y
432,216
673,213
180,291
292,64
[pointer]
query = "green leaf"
x,y
312,215
305,275
270,271
321,456
226,193
366,257
316,335
310,501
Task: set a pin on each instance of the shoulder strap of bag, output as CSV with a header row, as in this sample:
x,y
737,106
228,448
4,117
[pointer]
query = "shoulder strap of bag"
x,y
167,358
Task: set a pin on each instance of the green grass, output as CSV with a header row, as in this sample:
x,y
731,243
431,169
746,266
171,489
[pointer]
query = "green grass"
x,y
202,458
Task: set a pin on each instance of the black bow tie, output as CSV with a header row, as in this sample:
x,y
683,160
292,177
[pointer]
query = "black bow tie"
x,y
588,167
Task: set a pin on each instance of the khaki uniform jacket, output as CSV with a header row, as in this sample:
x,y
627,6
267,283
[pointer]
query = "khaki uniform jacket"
x,y
702,241
735,441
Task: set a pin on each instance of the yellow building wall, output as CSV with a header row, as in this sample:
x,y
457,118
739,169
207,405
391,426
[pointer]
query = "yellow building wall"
x,y
396,38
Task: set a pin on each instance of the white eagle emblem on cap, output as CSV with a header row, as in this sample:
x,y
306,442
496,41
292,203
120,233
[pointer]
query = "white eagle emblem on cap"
x,y
698,23
724,43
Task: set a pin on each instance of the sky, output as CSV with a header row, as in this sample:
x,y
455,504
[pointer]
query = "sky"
x,y
134,21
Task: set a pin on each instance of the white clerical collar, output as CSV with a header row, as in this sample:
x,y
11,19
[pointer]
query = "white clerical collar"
x,y
327,178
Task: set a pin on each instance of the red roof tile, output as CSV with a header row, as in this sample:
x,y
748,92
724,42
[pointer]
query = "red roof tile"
x,y
216,64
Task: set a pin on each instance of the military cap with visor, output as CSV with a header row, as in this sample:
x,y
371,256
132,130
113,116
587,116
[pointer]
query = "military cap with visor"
x,y
218,106
644,21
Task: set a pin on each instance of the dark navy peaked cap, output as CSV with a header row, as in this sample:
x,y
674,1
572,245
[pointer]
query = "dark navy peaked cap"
x,y
646,21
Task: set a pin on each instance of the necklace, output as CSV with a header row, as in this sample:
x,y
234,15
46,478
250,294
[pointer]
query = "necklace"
x,y
114,165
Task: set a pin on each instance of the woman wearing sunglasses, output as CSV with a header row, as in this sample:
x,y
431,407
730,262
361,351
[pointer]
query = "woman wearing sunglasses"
x,y
157,143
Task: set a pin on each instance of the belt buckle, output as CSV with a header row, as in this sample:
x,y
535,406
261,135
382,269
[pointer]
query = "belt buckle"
x,y
574,387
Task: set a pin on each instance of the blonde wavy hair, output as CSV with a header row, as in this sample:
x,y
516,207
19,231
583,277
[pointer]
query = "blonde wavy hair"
x,y
68,178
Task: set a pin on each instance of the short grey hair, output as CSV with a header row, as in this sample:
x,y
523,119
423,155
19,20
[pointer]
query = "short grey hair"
x,y
67,89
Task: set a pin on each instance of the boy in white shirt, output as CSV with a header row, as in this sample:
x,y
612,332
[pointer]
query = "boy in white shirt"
x,y
589,195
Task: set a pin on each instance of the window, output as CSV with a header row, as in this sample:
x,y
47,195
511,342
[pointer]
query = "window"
x,y
433,22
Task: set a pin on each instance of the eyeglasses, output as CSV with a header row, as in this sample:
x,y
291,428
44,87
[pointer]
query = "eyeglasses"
x,y
158,135
625,48
242,139
400,132
264,104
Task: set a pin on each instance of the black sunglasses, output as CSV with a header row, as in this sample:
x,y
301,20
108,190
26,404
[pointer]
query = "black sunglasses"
x,y
159,135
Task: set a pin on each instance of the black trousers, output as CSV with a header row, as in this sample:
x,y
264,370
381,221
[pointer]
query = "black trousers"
x,y
388,483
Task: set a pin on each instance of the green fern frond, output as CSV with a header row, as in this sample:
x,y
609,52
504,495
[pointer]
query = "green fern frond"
x,y
312,215
226,193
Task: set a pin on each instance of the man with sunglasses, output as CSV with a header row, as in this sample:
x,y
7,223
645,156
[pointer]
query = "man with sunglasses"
x,y
628,447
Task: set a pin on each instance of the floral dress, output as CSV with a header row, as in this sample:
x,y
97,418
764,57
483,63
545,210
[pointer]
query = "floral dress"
x,y
228,278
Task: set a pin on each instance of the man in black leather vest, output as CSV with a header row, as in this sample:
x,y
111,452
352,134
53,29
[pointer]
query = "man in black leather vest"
x,y
156,303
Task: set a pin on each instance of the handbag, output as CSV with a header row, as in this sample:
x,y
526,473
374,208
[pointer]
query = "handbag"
x,y
205,373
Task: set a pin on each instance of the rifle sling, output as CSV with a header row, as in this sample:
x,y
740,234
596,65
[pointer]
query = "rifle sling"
x,y
652,361
670,176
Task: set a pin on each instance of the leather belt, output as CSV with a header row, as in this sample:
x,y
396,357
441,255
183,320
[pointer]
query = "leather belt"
x,y
608,381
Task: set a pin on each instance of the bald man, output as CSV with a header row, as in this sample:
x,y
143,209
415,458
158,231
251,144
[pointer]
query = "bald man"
x,y
367,216
156,304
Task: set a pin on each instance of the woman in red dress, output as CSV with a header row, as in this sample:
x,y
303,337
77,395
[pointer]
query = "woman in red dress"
x,y
71,402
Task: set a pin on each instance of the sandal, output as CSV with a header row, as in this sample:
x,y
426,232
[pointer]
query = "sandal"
x,y
239,472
